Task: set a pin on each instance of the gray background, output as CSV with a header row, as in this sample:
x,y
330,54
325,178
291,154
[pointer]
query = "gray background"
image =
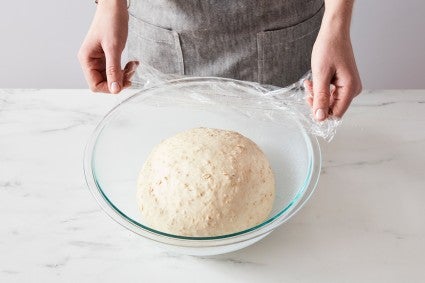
x,y
39,41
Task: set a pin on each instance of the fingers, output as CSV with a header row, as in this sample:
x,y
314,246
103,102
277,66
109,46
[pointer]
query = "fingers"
x,y
95,72
129,70
347,88
308,85
321,96
341,105
96,82
92,66
114,74
127,84
131,66
343,97
340,97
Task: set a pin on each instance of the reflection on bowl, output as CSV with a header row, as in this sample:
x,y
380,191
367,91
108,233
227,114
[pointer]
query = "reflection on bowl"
x,y
122,141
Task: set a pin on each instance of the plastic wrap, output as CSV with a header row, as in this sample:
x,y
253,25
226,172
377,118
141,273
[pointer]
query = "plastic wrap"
x,y
255,102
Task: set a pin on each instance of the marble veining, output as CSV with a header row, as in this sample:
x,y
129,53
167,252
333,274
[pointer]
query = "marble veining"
x,y
363,224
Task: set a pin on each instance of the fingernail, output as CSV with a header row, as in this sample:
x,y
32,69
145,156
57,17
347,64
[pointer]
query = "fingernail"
x,y
320,114
115,87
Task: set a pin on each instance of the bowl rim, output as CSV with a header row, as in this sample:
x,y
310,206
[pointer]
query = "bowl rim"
x,y
301,197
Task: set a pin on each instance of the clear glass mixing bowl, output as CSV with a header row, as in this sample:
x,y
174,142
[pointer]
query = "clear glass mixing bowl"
x,y
122,141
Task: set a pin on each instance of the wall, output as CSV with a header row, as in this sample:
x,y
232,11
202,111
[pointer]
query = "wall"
x,y
389,41
39,41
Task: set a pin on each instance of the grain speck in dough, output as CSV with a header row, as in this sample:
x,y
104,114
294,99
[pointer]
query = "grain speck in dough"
x,y
205,182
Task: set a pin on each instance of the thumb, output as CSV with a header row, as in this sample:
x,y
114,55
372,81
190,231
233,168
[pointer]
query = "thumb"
x,y
321,96
113,71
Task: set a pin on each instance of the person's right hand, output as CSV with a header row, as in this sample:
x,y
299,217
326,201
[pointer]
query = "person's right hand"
x,y
100,53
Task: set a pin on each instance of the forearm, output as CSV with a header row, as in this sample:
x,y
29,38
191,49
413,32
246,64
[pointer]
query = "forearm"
x,y
337,15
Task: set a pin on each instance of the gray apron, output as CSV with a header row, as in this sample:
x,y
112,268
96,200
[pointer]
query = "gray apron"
x,y
267,41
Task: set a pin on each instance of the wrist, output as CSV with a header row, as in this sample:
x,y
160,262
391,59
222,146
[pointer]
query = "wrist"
x,y
337,16
336,23
116,4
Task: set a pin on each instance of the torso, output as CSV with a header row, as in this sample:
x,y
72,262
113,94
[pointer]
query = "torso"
x,y
227,38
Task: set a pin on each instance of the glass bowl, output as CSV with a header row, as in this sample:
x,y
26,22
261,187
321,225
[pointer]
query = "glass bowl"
x,y
123,139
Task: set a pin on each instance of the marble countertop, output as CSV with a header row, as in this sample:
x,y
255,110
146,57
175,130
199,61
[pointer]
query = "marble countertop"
x,y
365,222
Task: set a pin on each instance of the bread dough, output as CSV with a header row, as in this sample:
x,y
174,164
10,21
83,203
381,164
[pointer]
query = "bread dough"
x,y
205,182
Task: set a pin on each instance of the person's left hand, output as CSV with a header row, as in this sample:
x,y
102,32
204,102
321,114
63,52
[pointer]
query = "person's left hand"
x,y
332,63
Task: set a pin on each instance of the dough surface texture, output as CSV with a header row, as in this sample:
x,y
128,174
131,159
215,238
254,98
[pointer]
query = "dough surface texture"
x,y
205,182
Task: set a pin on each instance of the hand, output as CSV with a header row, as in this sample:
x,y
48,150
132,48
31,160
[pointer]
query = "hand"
x,y
100,53
336,80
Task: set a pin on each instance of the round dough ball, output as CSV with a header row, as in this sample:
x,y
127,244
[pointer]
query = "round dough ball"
x,y
205,182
